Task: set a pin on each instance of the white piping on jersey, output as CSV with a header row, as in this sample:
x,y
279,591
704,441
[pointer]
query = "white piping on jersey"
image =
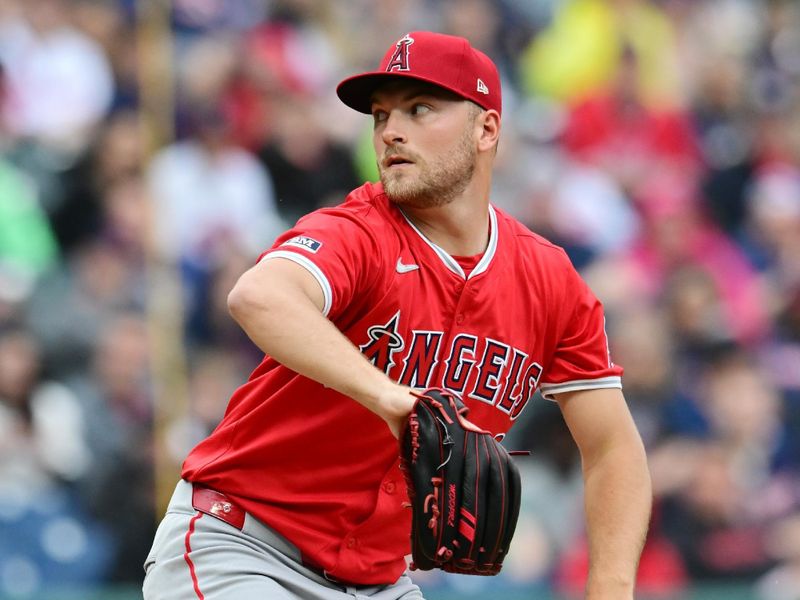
x,y
450,262
303,261
550,389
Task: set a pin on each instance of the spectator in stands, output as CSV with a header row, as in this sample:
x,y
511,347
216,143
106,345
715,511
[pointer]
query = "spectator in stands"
x,y
310,170
43,437
27,244
69,309
115,153
59,80
116,394
208,193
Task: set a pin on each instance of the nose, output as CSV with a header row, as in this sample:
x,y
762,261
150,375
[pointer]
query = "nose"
x,y
393,132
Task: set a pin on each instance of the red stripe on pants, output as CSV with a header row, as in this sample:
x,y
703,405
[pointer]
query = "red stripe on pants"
x,y
189,560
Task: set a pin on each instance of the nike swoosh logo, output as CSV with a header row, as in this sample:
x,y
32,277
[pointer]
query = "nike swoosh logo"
x,y
402,268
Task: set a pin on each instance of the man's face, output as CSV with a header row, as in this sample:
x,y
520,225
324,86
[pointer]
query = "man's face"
x,y
425,143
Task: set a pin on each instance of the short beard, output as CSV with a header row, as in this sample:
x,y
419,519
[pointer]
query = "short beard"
x,y
438,183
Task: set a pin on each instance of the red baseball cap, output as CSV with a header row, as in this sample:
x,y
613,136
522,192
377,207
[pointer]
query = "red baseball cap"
x,y
444,60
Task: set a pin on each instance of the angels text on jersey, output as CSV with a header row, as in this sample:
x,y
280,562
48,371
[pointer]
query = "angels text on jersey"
x,y
477,367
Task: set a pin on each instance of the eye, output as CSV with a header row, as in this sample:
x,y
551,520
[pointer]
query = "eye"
x,y
420,109
379,116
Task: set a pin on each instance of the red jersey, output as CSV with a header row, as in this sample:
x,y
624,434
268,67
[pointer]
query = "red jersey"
x,y
320,468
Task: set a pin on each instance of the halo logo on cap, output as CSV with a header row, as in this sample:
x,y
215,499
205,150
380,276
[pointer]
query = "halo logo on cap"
x,y
399,60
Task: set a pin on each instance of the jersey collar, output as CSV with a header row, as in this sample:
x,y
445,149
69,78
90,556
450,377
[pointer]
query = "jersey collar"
x,y
450,262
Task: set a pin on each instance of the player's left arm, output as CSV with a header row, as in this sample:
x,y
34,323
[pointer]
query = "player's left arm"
x,y
618,493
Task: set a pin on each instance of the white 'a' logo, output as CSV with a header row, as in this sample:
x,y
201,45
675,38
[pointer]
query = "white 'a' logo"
x,y
399,60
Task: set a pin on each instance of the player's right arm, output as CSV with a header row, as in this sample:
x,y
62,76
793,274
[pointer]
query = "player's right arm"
x,y
279,304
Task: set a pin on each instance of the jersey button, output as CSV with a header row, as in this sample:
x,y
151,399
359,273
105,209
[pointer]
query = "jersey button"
x,y
459,318
351,542
389,487
458,286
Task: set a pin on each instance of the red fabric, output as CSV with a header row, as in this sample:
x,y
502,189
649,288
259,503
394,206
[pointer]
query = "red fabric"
x,y
467,263
248,114
218,505
445,60
323,470
602,125
273,49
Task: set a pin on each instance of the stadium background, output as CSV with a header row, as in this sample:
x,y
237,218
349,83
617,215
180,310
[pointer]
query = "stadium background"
x,y
149,150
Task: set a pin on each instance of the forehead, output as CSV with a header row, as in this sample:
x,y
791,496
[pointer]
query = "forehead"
x,y
406,89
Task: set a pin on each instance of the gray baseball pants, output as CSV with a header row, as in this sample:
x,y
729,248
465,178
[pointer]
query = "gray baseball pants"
x,y
196,556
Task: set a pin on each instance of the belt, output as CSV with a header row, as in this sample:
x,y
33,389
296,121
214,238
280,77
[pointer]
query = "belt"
x,y
218,505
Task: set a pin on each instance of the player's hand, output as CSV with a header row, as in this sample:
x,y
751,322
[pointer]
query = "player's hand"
x,y
397,403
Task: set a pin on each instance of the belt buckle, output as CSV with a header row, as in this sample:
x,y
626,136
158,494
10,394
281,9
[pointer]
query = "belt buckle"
x,y
217,505
220,508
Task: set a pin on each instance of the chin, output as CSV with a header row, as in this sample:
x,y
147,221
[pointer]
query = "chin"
x,y
412,192
399,190
413,199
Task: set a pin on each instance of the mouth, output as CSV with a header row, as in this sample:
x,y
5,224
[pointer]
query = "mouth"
x,y
396,161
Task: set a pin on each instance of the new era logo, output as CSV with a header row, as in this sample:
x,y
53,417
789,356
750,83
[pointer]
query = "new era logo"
x,y
482,87
304,242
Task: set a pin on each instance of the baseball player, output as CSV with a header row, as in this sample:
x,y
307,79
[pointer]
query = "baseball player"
x,y
414,282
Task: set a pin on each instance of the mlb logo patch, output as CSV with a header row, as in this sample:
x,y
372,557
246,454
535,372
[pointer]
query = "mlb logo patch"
x,y
304,242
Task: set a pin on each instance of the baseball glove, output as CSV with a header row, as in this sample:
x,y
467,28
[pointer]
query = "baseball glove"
x,y
463,487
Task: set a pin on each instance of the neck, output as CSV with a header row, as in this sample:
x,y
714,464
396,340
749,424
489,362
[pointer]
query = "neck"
x,y
461,227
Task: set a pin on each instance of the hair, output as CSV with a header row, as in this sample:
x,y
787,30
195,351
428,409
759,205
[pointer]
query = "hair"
x,y
474,111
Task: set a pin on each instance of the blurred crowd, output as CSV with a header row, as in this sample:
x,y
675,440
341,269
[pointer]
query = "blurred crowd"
x,y
657,141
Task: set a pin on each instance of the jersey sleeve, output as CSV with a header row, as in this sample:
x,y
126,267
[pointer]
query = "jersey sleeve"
x,y
581,359
337,248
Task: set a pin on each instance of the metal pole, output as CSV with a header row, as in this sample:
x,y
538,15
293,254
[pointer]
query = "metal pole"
x,y
165,310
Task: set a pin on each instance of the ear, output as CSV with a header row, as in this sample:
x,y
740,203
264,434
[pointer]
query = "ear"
x,y
489,122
